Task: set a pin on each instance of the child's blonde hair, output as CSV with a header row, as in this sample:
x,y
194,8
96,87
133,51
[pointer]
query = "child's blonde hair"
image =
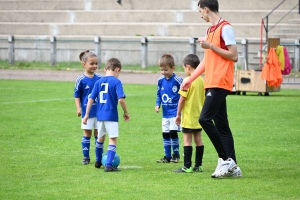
x,y
166,60
112,64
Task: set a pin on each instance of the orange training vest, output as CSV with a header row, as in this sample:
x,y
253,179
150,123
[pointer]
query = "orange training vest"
x,y
219,72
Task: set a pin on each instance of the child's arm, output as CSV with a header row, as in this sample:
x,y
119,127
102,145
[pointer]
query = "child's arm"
x,y
124,107
88,109
78,108
179,109
158,99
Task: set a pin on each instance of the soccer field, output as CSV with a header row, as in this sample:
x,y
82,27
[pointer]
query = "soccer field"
x,y
41,148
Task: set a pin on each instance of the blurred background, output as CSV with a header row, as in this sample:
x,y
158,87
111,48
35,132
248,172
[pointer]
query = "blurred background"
x,y
139,32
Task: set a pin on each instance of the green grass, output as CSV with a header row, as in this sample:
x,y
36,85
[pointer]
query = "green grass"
x,y
41,148
75,66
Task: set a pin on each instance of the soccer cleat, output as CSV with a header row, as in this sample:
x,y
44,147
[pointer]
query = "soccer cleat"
x,y
224,168
198,169
111,169
184,170
175,158
98,164
165,159
85,161
237,172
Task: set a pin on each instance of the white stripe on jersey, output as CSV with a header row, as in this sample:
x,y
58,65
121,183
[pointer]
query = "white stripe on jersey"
x,y
178,79
82,76
78,80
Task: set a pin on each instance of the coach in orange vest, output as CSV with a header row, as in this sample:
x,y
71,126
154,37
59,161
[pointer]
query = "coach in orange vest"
x,y
220,53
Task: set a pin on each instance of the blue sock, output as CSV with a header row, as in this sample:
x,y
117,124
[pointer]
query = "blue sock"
x,y
111,151
85,142
167,147
175,145
99,151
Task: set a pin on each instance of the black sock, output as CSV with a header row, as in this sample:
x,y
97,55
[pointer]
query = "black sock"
x,y
199,156
188,151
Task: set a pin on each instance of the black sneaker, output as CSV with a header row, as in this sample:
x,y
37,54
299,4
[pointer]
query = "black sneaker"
x,y
184,170
198,169
98,164
165,159
175,158
86,161
111,169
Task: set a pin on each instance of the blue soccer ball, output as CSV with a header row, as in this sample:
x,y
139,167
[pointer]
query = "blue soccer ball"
x,y
116,160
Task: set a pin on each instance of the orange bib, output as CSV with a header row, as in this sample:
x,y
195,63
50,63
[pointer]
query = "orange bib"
x,y
219,72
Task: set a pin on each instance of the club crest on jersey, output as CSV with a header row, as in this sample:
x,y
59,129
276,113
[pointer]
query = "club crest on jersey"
x,y
174,88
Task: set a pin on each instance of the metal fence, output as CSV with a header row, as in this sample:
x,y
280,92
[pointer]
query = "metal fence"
x,y
143,51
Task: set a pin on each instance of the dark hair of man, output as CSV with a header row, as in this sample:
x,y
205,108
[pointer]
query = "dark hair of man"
x,y
191,60
112,64
212,5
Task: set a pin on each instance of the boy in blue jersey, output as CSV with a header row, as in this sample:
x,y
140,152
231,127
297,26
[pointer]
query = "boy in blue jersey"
x,y
167,96
109,91
83,87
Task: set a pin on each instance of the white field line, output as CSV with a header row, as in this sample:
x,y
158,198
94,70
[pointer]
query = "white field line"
x,y
35,101
130,167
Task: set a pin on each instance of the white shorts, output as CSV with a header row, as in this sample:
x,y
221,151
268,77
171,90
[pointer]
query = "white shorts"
x,y
112,128
169,124
90,125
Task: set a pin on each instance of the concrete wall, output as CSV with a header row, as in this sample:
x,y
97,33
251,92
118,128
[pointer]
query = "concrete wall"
x,y
76,22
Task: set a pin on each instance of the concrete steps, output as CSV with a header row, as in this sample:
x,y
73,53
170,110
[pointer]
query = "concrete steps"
x,y
134,17
138,5
126,29
175,20
176,16
290,32
96,5
295,21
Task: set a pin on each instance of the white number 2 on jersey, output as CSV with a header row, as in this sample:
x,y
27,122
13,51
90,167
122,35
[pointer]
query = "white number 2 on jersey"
x,y
103,92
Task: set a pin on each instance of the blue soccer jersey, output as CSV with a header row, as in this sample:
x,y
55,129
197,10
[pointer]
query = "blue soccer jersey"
x,y
83,87
167,95
108,90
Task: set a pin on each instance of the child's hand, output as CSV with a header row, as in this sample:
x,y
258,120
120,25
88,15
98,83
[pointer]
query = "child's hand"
x,y
84,120
78,113
178,120
126,117
156,109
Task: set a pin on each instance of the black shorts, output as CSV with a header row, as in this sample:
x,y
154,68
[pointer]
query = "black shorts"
x,y
189,130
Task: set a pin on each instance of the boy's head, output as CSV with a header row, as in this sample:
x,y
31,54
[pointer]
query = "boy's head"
x,y
212,5
190,63
112,64
167,65
89,61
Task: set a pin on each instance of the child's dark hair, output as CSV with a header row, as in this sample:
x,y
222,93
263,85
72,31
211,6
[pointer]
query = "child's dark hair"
x,y
112,64
166,60
83,56
191,60
212,5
